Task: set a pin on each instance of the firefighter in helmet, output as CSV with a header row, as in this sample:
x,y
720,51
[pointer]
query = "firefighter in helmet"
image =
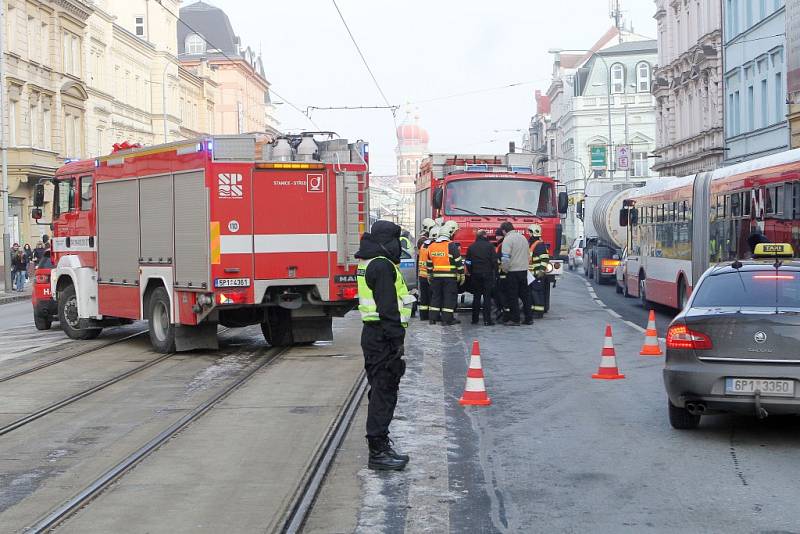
x,y
423,283
385,305
538,266
446,272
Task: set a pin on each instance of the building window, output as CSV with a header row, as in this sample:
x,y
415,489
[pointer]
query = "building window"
x,y
46,128
30,35
643,77
737,121
139,24
34,120
13,113
194,44
764,104
617,78
780,102
44,34
640,165
751,109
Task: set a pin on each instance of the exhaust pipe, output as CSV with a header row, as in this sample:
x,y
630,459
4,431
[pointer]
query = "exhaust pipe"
x,y
696,408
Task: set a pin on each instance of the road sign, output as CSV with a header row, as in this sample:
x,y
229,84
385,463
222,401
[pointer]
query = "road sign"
x,y
623,158
598,157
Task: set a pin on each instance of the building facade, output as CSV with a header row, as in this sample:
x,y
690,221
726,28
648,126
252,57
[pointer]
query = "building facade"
x,y
793,69
46,98
579,109
754,42
244,105
412,148
687,85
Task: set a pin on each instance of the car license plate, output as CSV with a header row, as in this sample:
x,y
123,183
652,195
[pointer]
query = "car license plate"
x,y
232,282
768,387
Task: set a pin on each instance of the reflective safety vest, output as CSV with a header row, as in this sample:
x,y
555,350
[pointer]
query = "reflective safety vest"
x,y
442,264
539,259
422,259
366,300
405,243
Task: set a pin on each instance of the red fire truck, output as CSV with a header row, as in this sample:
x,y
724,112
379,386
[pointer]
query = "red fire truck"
x,y
479,192
229,230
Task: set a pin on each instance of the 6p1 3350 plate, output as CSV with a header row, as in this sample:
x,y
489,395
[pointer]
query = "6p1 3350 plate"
x,y
767,387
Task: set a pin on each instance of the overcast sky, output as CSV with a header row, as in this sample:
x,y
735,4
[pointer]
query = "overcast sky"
x,y
420,50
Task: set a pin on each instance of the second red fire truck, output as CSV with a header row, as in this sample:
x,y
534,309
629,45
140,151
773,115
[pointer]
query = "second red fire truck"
x,y
228,230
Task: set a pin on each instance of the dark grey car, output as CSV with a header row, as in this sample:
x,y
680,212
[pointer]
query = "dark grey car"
x,y
736,345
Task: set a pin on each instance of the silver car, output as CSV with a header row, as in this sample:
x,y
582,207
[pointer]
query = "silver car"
x,y
735,347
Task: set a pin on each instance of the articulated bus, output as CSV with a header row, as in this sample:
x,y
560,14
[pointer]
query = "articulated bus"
x,y
681,226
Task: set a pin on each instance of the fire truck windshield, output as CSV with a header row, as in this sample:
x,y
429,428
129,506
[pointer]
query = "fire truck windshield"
x,y
480,196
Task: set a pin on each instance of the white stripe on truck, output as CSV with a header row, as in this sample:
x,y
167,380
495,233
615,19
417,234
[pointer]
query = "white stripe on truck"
x,y
276,243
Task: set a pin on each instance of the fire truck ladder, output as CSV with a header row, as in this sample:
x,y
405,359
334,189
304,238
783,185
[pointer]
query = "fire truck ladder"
x,y
353,208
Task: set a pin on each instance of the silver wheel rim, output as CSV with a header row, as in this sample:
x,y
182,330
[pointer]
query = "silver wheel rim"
x,y
71,312
641,290
160,321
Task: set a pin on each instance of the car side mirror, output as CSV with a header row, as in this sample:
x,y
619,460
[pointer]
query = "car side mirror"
x,y
438,196
623,217
563,202
38,196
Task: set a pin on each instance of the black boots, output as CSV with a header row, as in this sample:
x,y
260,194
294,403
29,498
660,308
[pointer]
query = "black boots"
x,y
383,457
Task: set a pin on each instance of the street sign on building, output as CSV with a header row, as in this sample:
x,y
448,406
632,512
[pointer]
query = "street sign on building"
x,y
598,157
623,158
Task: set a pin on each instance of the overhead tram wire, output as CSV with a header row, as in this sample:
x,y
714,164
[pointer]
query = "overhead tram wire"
x,y
214,46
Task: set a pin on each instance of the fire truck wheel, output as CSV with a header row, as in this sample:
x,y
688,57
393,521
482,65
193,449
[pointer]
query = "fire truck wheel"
x,y
42,322
162,331
73,326
277,329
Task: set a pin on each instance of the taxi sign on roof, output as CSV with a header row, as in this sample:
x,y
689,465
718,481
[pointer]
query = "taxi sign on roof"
x,y
773,250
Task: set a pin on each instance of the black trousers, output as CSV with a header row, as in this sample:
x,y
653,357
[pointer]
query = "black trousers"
x,y
516,290
424,298
482,286
538,296
499,294
385,367
444,298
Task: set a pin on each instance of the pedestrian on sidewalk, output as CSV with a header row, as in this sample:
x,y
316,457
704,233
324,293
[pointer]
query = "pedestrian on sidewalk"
x,y
38,253
482,265
19,269
28,252
515,262
385,306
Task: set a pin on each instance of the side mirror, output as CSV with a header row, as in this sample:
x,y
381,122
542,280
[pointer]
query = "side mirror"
x,y
438,196
579,209
563,202
623,217
36,214
634,217
38,196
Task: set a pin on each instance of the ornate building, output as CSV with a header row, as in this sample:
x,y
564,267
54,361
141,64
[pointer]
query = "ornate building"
x,y
412,148
687,86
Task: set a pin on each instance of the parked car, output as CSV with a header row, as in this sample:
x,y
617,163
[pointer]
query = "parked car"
x,y
734,347
45,308
575,254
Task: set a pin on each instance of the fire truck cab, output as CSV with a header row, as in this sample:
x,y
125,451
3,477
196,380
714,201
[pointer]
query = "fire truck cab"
x,y
229,230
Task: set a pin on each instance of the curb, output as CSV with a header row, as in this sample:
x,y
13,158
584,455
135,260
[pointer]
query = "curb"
x,y
14,298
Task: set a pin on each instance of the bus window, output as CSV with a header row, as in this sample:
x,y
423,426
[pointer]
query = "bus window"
x,y
86,193
746,202
736,205
65,196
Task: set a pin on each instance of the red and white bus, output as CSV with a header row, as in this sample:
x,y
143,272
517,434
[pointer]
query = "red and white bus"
x,y
683,225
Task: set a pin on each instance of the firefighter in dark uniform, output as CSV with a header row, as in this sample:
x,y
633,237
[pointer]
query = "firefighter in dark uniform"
x,y
499,289
423,284
540,259
385,306
446,271
482,265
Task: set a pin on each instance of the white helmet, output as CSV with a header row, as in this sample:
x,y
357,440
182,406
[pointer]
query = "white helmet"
x,y
439,221
450,228
434,232
427,225
535,230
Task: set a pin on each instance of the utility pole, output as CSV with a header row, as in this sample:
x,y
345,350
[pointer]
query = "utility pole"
x,y
4,154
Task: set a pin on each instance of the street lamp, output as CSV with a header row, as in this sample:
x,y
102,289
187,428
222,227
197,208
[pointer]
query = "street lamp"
x,y
608,99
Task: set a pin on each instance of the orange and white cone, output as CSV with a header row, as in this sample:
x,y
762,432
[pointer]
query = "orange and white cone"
x,y
475,390
608,363
651,346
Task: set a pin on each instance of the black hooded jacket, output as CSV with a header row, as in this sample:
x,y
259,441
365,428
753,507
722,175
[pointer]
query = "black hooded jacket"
x,y
383,240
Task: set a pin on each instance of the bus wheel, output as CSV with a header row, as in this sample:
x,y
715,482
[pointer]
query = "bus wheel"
x,y
162,331
642,293
71,323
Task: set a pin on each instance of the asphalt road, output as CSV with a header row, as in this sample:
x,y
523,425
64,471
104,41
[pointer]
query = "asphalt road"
x,y
557,451
16,314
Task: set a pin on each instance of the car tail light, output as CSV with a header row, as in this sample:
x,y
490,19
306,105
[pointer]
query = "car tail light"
x,y
578,252
43,278
682,337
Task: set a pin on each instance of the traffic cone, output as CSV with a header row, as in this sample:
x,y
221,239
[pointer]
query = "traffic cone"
x,y
475,390
608,363
651,347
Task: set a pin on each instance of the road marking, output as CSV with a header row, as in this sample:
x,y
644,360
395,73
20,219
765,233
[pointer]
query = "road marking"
x,y
615,314
611,312
635,326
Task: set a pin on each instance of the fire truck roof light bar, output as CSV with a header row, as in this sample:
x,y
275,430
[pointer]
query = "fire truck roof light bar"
x,y
487,167
290,165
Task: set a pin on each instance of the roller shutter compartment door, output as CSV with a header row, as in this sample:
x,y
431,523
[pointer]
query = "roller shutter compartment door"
x,y
156,209
191,231
118,231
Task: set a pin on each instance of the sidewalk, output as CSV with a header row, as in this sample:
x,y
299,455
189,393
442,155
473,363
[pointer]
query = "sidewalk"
x,y
7,298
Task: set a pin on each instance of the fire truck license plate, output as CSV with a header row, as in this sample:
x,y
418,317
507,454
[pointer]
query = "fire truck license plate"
x,y
232,282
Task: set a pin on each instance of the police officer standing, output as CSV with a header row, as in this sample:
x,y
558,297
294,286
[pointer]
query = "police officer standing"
x,y
482,265
539,260
385,306
446,272
422,268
